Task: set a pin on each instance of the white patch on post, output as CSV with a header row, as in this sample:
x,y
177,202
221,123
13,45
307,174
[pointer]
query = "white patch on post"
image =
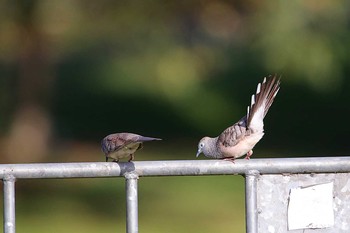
x,y
271,229
311,207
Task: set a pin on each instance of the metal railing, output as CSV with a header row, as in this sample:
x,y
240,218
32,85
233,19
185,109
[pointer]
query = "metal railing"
x,y
251,170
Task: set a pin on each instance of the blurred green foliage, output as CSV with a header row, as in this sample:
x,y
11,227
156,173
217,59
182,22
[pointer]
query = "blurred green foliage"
x,y
73,71
181,69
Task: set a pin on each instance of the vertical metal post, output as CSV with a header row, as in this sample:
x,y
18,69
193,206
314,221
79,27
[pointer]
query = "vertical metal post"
x,y
131,203
9,205
251,201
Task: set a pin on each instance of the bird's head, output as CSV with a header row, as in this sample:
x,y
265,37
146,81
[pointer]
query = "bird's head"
x,y
202,146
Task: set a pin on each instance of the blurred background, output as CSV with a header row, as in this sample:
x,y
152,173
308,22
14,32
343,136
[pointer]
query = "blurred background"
x,y
72,72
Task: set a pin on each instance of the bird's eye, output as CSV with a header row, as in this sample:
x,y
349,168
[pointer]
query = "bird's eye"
x,y
201,145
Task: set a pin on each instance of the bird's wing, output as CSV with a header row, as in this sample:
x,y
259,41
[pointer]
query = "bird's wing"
x,y
115,142
234,134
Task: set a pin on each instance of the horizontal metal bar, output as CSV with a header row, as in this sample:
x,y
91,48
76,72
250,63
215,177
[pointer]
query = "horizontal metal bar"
x,y
176,167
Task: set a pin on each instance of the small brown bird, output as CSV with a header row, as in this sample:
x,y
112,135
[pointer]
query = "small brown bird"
x,y
240,138
121,145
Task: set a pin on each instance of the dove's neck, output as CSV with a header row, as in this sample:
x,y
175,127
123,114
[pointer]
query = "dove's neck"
x,y
211,148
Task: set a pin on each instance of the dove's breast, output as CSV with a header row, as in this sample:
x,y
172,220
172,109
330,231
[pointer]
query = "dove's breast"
x,y
242,147
125,151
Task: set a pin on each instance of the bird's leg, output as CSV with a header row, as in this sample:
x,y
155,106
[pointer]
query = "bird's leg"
x,y
231,159
249,154
131,157
106,159
116,160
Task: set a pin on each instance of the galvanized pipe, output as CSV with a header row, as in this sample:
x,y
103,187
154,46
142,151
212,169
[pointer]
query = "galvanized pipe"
x,y
131,203
9,205
176,168
10,172
251,206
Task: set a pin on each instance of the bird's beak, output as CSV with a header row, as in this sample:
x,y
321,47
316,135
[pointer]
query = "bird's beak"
x,y
198,153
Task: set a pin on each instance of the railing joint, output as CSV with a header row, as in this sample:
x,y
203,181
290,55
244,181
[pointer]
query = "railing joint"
x,y
9,177
255,173
131,175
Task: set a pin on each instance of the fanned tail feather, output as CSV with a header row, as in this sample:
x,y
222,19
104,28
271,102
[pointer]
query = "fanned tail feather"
x,y
272,94
262,101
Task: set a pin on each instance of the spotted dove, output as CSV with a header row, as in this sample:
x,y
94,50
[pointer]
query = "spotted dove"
x,y
240,138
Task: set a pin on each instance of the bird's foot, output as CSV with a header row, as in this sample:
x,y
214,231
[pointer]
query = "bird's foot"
x,y
250,153
231,159
116,160
131,157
